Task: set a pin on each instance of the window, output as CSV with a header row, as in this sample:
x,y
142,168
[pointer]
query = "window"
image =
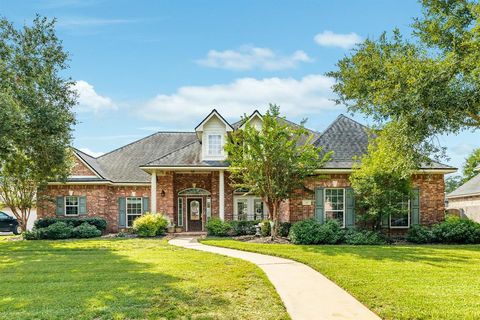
x,y
134,210
401,218
249,208
3,216
335,205
180,212
71,206
259,213
214,144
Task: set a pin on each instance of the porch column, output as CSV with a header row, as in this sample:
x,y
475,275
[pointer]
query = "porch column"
x,y
153,192
221,196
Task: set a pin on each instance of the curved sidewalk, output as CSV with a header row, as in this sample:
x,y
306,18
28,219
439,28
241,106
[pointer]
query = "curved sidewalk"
x,y
306,293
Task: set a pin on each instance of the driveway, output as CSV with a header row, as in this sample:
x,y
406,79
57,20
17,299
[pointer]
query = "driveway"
x,y
306,293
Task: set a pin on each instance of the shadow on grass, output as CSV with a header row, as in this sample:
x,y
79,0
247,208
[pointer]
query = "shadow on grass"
x,y
434,254
60,280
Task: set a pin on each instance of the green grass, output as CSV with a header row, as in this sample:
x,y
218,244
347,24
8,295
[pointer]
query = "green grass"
x,y
396,282
129,279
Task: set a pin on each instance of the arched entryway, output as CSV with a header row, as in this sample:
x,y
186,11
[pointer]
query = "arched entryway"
x,y
194,207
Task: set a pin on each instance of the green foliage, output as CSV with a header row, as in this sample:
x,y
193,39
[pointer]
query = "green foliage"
x,y
471,163
265,228
452,183
273,161
363,237
86,230
383,178
419,234
430,83
284,229
456,230
34,234
217,227
35,113
150,225
99,223
244,227
310,231
58,230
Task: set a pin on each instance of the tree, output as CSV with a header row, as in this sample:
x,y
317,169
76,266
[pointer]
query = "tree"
x,y
35,113
471,163
382,179
452,183
432,83
274,161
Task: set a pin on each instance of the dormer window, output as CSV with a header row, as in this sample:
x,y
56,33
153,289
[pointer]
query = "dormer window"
x,y
214,144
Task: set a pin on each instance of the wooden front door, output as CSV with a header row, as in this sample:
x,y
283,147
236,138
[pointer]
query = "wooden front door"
x,y
194,214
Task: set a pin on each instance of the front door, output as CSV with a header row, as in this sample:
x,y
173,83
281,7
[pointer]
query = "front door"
x,y
194,214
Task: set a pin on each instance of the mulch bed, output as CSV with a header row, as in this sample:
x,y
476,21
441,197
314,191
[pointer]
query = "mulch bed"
x,y
254,239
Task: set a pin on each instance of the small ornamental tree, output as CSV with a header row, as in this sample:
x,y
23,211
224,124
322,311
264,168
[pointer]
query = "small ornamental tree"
x,y
471,163
35,113
382,179
274,161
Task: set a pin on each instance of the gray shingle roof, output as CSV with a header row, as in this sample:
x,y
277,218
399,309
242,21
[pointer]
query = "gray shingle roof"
x,y
472,186
186,156
345,137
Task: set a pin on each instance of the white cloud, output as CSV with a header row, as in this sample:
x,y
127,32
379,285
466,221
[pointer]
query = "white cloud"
x,y
331,39
90,152
90,101
248,58
308,95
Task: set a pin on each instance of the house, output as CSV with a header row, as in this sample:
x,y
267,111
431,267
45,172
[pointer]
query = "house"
x,y
466,198
185,175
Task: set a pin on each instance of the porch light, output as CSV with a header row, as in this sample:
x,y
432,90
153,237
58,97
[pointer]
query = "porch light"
x,y
162,194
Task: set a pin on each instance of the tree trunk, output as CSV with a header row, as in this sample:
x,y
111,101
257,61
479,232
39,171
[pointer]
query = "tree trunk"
x,y
274,225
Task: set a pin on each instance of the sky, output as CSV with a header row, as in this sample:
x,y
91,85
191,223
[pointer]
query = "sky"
x,y
147,66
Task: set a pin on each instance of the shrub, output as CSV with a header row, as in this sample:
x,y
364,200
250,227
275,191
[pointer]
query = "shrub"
x,y
305,232
330,233
58,230
243,227
31,235
150,225
456,230
217,227
284,229
363,237
265,228
86,230
99,223
419,234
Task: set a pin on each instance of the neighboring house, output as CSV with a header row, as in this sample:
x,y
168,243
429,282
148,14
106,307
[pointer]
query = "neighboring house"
x,y
185,176
466,198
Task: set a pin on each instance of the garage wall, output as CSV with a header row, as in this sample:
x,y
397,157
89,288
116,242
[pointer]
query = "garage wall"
x,y
33,216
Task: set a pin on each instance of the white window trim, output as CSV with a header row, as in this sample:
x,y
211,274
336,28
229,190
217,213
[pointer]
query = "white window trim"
x,y
344,205
221,144
65,206
250,206
180,211
401,227
126,209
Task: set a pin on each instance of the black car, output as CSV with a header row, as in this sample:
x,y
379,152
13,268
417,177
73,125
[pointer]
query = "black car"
x,y
9,224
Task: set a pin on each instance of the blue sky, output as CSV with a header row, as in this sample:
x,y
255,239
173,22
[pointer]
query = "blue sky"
x,y
144,66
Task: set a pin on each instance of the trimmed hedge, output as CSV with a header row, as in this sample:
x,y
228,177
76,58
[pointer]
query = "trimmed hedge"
x,y
86,230
419,234
219,228
244,227
99,223
452,230
284,229
150,225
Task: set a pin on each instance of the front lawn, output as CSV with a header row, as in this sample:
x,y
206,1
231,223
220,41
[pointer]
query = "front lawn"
x,y
129,279
396,282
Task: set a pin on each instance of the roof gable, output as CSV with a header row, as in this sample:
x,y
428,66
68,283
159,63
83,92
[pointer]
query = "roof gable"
x,y
212,114
470,187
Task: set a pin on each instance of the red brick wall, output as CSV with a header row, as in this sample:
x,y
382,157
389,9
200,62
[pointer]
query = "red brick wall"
x,y
79,169
432,188
102,200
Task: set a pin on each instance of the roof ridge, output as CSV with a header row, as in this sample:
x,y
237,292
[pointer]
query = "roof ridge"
x,y
340,116
141,139
79,154
173,151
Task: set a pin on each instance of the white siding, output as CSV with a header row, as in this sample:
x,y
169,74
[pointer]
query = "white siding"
x,y
213,126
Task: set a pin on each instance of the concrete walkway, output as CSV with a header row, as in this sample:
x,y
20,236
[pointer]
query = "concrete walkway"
x,y
306,293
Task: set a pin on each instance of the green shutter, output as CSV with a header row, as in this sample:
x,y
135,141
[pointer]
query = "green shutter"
x,y
60,206
350,208
145,205
82,205
385,222
122,212
319,213
415,206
